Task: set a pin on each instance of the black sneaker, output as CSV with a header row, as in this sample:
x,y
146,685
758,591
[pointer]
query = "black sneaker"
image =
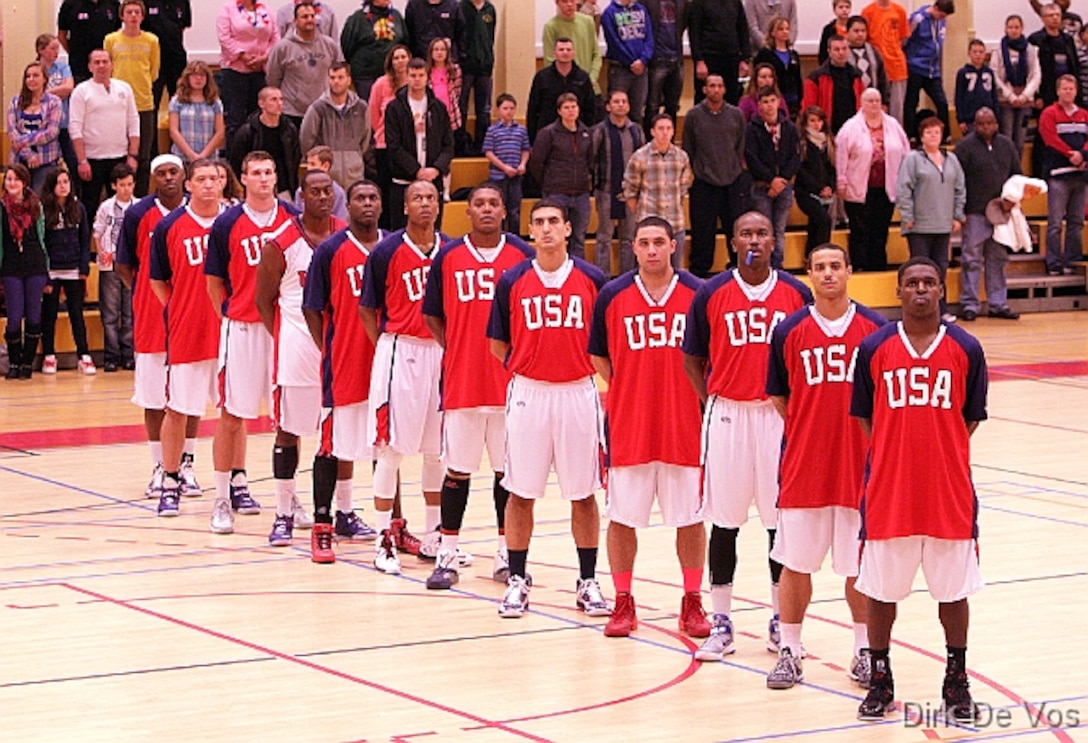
x,y
1004,313
969,315
958,704
109,366
881,697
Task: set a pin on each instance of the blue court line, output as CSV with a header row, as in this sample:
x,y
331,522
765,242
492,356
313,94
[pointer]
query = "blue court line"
x,y
1051,519
76,488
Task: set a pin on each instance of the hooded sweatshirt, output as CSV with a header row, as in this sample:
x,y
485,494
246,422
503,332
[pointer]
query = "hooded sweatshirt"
x,y
300,69
345,129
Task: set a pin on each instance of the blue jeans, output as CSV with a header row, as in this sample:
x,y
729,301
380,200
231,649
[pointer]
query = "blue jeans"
x,y
777,209
115,303
510,188
1064,200
481,86
578,212
606,228
979,251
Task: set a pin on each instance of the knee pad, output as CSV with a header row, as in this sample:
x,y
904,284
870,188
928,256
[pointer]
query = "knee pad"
x,y
385,473
722,555
284,462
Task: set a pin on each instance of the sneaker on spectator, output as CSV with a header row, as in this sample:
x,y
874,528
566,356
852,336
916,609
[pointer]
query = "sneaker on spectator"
x,y
515,601
350,526
588,598
693,621
282,531
222,521
720,642
190,488
385,556
86,366
321,544
49,364
302,517
624,620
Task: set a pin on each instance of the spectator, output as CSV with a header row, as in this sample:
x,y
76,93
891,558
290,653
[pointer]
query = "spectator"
x,y
988,160
268,131
778,52
975,86
324,16
197,127
68,244
838,26
814,188
772,151
613,142
34,117
428,20
24,268
233,193
931,194
339,119
82,26
629,35
114,298
888,30
419,140
581,30
714,142
656,180
168,19
299,63
563,75
135,55
865,57
322,158
60,84
1017,74
760,13
923,50
1081,40
868,151
763,77
381,94
444,77
666,76
1063,128
562,162
478,65
593,9
369,35
1057,55
835,86
720,44
507,148
105,128
247,32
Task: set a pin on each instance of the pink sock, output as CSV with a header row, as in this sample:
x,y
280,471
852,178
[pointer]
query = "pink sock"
x,y
693,579
622,581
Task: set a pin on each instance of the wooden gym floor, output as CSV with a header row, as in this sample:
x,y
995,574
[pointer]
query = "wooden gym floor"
x,y
119,626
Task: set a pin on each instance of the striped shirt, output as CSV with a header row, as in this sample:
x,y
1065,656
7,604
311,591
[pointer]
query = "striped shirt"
x,y
507,142
659,181
35,133
196,122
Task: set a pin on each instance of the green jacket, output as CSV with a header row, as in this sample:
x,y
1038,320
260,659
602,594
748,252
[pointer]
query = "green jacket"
x,y
363,48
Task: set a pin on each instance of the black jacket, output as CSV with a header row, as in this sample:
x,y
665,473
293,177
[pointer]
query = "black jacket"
x,y
1048,47
251,136
766,163
816,171
562,160
478,53
70,246
788,76
400,136
717,28
427,22
654,8
548,85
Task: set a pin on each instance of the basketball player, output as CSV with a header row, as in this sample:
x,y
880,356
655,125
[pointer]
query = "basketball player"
x,y
178,246
404,416
281,277
456,308
245,359
539,328
653,420
725,346
330,305
823,459
148,328
920,392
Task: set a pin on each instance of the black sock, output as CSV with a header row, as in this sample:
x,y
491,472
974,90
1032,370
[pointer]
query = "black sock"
x,y
776,567
187,457
881,661
501,496
957,660
324,488
234,473
175,475
518,559
587,562
722,555
454,502
284,462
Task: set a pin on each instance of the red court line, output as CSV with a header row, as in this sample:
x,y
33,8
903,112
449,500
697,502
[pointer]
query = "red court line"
x,y
305,663
91,435
1040,370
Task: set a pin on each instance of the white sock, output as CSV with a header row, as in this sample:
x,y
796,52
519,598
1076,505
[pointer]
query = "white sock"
x,y
156,451
721,598
190,447
382,520
449,542
861,637
433,515
774,598
791,638
285,491
222,486
502,543
343,495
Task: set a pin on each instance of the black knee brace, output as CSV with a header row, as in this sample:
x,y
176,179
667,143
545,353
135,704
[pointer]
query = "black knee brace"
x,y
722,555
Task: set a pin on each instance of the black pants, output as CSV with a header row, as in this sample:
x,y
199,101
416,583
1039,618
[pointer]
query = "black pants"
x,y
91,191
869,230
819,220
710,206
934,88
935,247
74,290
725,65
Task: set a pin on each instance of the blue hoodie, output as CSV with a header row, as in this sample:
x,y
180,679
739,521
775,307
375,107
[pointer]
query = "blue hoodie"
x,y
628,32
923,48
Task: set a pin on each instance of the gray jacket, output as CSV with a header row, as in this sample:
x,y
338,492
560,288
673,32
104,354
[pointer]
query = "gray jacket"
x,y
928,196
300,69
346,131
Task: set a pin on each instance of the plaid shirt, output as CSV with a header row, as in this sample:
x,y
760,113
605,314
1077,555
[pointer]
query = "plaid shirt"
x,y
659,182
44,140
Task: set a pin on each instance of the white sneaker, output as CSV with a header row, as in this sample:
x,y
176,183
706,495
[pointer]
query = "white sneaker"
x,y
720,642
464,559
153,487
786,672
385,557
86,366
49,364
190,488
515,601
222,521
430,545
589,598
500,570
303,519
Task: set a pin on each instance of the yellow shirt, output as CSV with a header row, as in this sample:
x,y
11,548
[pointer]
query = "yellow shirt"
x,y
136,61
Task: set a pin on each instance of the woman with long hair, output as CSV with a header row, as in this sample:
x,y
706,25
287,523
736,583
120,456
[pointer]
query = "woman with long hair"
x,y
1017,73
197,126
34,118
24,268
381,93
68,244
814,188
59,82
763,76
778,52
444,76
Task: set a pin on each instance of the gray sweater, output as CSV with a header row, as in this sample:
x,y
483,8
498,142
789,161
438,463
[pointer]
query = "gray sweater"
x,y
346,130
715,143
300,69
929,196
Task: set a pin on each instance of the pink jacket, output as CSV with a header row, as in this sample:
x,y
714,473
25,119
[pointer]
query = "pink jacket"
x,y
854,154
240,33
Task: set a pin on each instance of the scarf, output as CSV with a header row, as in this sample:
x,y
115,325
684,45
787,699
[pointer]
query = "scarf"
x,y
19,217
616,167
1017,74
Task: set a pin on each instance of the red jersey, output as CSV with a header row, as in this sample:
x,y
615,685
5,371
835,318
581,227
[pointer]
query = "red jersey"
x,y
134,250
333,287
652,410
919,474
823,449
394,282
234,252
730,325
545,319
460,290
178,248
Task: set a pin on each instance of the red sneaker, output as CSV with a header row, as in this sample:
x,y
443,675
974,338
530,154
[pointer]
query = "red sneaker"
x,y
623,621
321,544
693,621
404,540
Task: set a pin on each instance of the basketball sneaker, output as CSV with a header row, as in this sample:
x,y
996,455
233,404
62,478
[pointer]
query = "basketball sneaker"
x,y
720,642
430,545
190,488
515,601
349,526
242,502
774,635
385,556
282,529
624,620
445,572
403,539
881,697
153,487
321,544
588,598
222,521
693,621
958,704
861,669
786,672
303,518
168,498
500,568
